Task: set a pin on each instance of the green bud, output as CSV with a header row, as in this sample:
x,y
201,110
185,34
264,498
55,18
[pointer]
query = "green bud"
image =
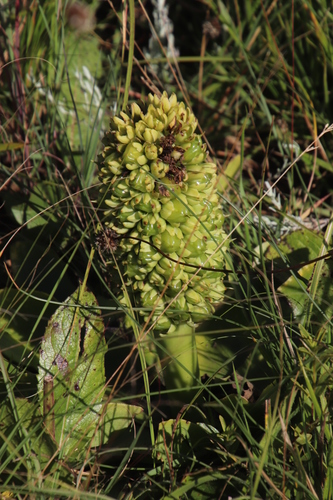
x,y
136,111
163,323
195,246
120,190
134,151
168,268
133,269
141,181
125,117
151,135
174,211
148,255
200,180
207,168
112,203
123,138
202,312
118,124
179,309
127,214
145,203
172,189
152,225
113,164
192,224
152,299
159,169
149,120
156,280
170,240
195,153
193,297
152,151
174,287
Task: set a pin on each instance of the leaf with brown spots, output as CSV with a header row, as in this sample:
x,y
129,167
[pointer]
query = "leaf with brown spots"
x,y
72,356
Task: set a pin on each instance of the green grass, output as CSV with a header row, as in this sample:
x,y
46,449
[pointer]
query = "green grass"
x,y
259,425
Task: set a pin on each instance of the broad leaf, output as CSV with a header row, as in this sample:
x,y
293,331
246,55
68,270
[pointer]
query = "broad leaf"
x,y
306,245
71,375
295,289
35,209
118,416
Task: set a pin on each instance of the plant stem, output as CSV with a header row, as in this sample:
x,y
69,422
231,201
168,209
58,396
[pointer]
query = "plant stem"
x,y
179,359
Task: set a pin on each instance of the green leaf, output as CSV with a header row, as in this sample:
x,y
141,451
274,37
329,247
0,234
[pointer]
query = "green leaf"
x,y
327,490
18,324
36,209
225,342
200,487
23,440
214,357
30,422
295,289
230,172
11,146
71,375
301,246
118,416
80,99
178,441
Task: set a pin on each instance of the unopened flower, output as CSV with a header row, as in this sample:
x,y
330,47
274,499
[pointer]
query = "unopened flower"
x,y
158,196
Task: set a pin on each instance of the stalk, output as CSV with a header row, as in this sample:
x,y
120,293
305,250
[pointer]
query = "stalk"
x,y
178,355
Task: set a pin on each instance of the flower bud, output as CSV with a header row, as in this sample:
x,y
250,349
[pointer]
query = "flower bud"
x,y
158,190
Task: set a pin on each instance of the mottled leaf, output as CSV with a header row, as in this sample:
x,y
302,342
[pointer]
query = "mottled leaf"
x,y
71,375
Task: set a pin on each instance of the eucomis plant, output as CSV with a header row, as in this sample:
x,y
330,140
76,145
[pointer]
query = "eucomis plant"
x,y
162,217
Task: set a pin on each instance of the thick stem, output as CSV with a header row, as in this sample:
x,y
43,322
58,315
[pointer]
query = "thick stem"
x,y
178,355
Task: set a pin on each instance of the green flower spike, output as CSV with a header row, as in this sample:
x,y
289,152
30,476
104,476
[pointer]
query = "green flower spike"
x,y
158,194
